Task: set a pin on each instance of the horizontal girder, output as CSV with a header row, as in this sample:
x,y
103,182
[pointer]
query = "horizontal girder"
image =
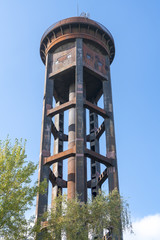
x,y
65,106
72,152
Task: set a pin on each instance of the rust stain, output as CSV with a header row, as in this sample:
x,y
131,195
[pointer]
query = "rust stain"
x,y
48,106
64,57
95,61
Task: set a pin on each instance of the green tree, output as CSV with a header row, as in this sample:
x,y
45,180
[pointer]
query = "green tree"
x,y
75,219
16,192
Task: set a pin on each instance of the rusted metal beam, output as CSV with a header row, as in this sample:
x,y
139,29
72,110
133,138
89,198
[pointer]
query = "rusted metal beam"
x,y
89,184
43,173
110,137
102,178
63,107
90,106
61,183
88,138
54,131
58,134
99,158
57,181
65,137
109,129
92,183
100,130
80,131
60,156
99,95
52,178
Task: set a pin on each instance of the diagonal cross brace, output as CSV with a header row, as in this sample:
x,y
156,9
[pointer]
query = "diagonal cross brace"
x,y
58,134
56,180
100,130
100,180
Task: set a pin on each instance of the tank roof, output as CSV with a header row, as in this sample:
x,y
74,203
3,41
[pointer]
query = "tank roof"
x,y
72,21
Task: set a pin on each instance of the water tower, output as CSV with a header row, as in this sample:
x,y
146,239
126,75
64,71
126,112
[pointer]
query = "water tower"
x,y
77,53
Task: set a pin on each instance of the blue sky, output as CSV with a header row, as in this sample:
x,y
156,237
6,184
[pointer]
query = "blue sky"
x,y
135,84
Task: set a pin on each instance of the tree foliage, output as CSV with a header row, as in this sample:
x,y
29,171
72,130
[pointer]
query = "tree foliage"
x,y
69,218
16,192
75,220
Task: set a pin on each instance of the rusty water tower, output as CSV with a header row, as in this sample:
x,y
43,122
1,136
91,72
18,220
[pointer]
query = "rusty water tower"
x,y
77,53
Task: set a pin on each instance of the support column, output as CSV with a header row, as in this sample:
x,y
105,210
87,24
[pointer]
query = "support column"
x,y
81,166
71,142
110,136
109,130
42,200
58,147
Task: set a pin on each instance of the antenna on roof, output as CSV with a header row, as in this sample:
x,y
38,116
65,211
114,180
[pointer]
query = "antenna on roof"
x,y
85,14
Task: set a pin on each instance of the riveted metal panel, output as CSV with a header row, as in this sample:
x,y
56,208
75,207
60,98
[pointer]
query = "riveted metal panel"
x,y
95,61
63,60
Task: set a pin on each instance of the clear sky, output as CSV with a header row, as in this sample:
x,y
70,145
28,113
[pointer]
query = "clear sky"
x,y
135,72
